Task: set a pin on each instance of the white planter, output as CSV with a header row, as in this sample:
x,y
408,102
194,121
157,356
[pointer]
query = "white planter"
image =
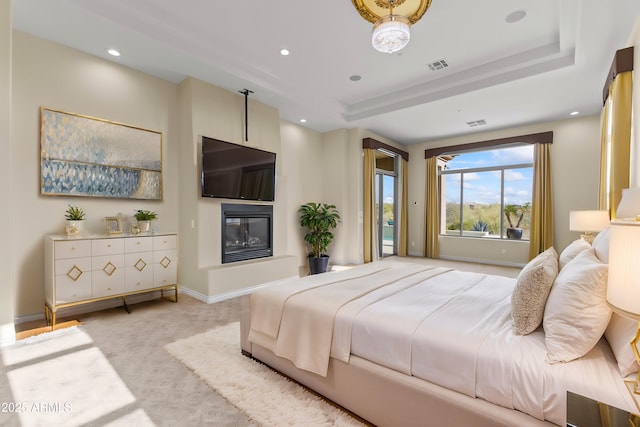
x,y
74,227
144,226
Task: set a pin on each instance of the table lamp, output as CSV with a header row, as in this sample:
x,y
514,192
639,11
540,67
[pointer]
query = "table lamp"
x,y
623,288
588,222
629,206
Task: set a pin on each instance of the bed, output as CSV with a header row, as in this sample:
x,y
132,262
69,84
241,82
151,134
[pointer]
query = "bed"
x,y
403,344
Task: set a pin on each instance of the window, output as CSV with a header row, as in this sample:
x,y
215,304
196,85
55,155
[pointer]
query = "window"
x,y
487,193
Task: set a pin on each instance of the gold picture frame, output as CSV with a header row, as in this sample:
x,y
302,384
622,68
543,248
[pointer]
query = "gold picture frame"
x,y
87,156
113,224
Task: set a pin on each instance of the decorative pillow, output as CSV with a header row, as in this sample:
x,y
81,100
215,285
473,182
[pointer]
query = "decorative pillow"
x,y
576,314
571,251
529,297
619,334
601,245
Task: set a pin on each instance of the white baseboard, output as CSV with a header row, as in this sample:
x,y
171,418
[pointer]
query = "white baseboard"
x,y
95,306
211,299
481,261
133,299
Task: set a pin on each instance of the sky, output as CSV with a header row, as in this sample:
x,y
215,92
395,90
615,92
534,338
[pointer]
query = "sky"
x,y
484,187
387,189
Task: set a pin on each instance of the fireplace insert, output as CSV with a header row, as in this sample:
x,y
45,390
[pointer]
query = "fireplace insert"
x,y
247,232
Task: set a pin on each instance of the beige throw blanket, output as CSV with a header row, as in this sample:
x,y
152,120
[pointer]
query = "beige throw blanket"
x,y
301,319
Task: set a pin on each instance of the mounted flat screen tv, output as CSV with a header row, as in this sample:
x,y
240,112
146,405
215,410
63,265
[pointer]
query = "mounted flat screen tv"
x,y
233,171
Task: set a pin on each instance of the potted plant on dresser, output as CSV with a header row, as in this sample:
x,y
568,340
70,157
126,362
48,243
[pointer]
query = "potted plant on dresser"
x,y
75,220
319,219
144,218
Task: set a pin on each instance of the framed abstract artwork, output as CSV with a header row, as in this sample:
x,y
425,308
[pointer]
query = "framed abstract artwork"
x,y
85,156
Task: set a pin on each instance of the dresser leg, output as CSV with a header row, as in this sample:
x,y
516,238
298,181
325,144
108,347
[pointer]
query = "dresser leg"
x,y
49,317
175,294
125,306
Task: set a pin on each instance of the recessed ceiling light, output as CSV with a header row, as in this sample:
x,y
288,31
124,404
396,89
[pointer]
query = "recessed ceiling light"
x,y
303,120
574,113
113,52
355,78
515,16
284,52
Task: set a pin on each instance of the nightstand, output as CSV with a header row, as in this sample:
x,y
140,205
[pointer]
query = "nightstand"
x,y
585,412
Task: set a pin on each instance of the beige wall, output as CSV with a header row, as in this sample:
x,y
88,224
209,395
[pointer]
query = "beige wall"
x,y
57,77
302,172
206,110
54,76
7,333
343,187
575,167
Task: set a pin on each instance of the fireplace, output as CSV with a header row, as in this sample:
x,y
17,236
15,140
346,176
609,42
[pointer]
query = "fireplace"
x,y
247,232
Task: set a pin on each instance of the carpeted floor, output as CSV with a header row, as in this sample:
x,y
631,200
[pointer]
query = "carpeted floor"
x,y
266,396
147,385
64,384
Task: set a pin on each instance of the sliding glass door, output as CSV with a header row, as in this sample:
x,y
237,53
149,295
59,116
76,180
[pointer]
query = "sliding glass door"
x,y
386,212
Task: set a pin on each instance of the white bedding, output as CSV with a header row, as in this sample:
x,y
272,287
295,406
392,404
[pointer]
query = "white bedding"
x,y
448,327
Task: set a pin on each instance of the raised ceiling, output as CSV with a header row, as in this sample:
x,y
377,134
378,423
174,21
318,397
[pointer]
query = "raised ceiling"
x,y
540,68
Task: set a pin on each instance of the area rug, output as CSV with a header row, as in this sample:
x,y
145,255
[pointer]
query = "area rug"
x,y
265,396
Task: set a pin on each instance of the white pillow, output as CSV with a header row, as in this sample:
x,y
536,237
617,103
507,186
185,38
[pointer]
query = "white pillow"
x,y
601,245
532,288
619,334
576,314
571,251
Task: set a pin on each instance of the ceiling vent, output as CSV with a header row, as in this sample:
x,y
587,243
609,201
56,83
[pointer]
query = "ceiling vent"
x,y
438,65
475,123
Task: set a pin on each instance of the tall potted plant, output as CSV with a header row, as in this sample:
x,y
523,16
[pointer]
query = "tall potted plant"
x,y
319,219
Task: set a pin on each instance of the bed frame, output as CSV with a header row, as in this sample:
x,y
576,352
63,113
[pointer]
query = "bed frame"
x,y
385,397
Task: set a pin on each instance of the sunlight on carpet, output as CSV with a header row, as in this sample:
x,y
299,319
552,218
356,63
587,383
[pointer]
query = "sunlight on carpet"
x,y
60,378
265,396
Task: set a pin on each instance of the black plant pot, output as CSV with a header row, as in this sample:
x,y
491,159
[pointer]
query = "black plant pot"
x,y
318,265
514,233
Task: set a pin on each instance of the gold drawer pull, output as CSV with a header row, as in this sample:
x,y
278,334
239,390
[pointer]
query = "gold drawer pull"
x,y
165,262
109,268
140,265
74,273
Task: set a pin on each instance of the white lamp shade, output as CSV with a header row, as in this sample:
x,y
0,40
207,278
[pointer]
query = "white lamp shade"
x,y
588,220
623,288
629,206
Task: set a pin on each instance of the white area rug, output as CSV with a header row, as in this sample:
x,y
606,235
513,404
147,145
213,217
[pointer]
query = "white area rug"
x,y
265,396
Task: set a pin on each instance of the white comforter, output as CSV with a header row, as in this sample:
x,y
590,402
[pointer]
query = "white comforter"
x,y
448,327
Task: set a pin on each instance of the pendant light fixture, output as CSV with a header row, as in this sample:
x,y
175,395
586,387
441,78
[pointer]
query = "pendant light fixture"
x,y
391,30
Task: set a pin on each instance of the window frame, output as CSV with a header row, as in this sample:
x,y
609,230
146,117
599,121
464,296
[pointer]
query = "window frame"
x,y
443,172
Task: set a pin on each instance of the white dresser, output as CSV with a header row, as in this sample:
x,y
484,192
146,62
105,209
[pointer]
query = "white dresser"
x,y
80,270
